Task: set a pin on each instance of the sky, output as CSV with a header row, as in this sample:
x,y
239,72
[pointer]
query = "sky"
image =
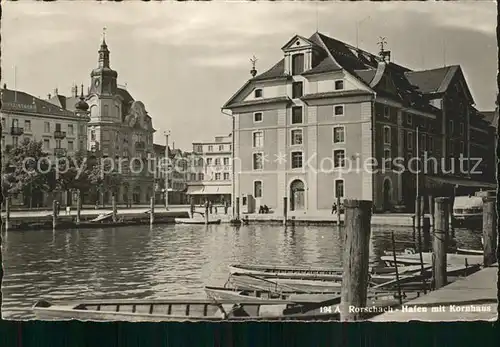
x,y
184,60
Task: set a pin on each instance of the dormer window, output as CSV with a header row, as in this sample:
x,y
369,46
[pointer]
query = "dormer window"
x,y
339,85
258,93
297,63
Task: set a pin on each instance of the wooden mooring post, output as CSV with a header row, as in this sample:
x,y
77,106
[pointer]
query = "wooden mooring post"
x,y
440,242
489,230
418,219
113,203
338,211
206,214
285,210
357,217
78,206
54,214
7,213
152,212
237,208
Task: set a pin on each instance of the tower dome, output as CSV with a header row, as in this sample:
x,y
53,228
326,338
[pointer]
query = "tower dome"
x,y
81,105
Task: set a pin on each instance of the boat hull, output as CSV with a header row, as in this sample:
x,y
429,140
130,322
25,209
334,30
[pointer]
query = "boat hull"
x,y
195,221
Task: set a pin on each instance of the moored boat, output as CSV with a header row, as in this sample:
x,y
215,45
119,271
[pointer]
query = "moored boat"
x,y
414,259
178,310
469,251
196,221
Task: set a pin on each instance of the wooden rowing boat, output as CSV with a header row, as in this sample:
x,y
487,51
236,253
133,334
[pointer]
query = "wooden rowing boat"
x,y
196,221
179,310
469,251
414,259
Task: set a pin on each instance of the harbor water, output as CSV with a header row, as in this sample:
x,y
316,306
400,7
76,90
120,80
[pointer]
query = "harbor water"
x,y
165,261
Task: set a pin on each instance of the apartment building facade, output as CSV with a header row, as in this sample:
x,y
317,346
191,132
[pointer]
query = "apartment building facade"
x,y
119,128
210,172
62,132
329,120
177,173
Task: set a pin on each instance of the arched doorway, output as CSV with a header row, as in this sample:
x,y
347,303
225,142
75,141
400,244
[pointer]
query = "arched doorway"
x,y
297,195
387,195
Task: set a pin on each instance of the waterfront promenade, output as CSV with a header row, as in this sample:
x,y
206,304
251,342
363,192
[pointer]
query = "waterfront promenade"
x,y
468,299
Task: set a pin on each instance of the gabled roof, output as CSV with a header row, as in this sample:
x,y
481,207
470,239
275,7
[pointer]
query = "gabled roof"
x,y
26,103
433,80
277,71
295,38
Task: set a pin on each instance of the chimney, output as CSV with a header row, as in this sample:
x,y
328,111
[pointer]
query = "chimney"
x,y
49,96
173,145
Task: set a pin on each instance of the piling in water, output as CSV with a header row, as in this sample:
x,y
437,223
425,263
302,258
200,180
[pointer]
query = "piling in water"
x,y
357,217
489,231
440,242
206,214
78,206
152,213
7,212
54,214
113,202
285,210
237,207
338,211
418,219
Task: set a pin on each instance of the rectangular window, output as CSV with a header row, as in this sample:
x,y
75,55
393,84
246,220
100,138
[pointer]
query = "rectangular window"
x,y
3,123
221,148
387,135
257,189
46,144
193,177
217,161
15,123
258,161
70,146
226,161
258,139
209,161
339,85
297,63
451,127
92,135
3,142
226,176
217,176
201,176
462,147
297,115
461,128
430,147
452,149
15,141
338,158
58,127
409,118
297,90
338,135
339,188
58,143
257,117
422,142
297,160
409,140
338,110
387,112
71,129
46,127
27,125
210,148
296,135
258,93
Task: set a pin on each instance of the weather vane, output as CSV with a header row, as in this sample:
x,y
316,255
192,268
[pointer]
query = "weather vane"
x,y
104,33
253,60
382,42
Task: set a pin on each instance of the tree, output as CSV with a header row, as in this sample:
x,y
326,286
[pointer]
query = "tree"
x,y
103,177
26,171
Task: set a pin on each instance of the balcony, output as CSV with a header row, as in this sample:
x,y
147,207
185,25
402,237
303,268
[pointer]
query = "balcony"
x,y
140,146
59,134
59,152
16,131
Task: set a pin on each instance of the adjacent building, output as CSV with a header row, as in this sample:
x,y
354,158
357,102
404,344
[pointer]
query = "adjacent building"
x,y
177,174
210,172
61,131
329,120
119,128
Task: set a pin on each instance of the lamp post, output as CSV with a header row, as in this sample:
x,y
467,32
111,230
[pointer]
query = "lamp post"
x,y
167,167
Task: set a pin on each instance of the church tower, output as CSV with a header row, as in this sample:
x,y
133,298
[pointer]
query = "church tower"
x,y
103,78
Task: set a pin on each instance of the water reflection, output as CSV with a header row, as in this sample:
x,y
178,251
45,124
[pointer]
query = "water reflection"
x,y
165,261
